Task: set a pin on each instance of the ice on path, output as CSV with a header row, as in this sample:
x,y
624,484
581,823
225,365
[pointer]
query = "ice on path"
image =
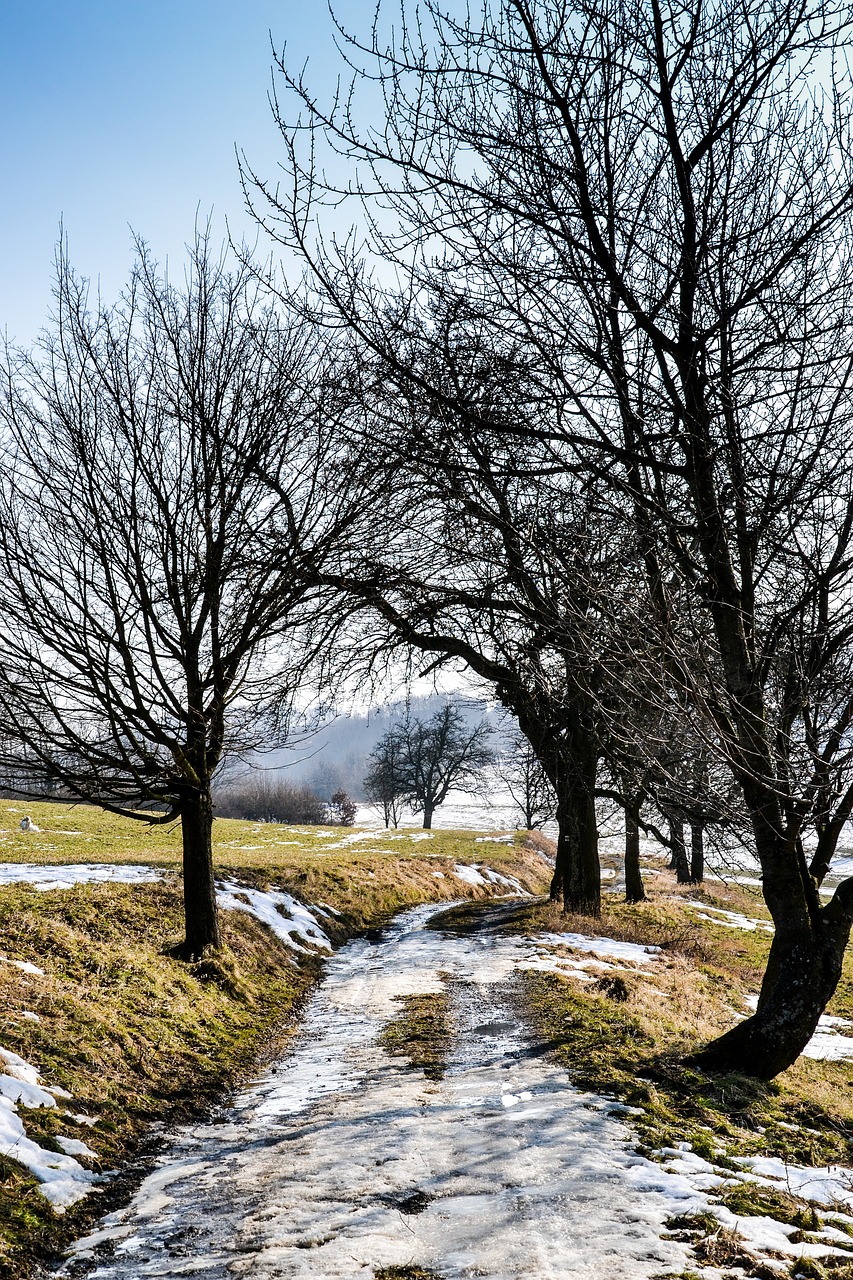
x,y
322,1168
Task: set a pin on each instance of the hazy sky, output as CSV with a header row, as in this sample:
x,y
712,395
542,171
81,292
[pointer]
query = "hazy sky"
x,y
118,115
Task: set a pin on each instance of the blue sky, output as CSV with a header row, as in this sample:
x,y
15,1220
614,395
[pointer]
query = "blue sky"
x,y
118,115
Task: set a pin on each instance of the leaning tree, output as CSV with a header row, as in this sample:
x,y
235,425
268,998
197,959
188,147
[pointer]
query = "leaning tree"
x,y
657,199
157,599
487,559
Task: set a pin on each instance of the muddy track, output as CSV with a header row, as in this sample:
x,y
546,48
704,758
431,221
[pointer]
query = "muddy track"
x,y
343,1161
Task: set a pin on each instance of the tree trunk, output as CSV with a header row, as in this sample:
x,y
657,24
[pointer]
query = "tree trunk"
x,y
202,924
429,809
697,852
634,888
577,844
802,974
679,849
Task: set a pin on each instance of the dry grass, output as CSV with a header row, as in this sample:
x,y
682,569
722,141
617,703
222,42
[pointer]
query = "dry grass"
x,y
420,1033
634,1048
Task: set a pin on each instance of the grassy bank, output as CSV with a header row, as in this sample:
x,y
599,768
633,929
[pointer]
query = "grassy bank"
x,y
138,1039
626,1035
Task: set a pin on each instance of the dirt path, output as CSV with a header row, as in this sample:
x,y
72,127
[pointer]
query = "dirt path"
x,y
343,1161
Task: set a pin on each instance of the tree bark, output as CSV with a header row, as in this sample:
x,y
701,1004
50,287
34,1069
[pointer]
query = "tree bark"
x,y
634,888
577,843
697,852
802,974
202,923
679,849
428,812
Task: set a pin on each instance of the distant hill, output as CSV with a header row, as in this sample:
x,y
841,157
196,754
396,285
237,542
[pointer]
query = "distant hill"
x,y
335,756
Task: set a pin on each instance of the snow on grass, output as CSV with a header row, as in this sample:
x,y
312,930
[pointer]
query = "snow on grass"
x,y
288,918
728,919
608,948
65,877
63,1179
828,1187
24,966
477,875
827,1044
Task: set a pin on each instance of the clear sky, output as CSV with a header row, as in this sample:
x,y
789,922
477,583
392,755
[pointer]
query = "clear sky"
x,y
118,115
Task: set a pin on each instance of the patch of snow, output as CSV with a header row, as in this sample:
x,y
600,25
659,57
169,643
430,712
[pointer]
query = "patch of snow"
x,y
30,1016
324,906
24,966
421,835
507,839
829,1186
63,1179
478,875
65,877
610,948
826,1045
294,921
728,919
74,1147
469,875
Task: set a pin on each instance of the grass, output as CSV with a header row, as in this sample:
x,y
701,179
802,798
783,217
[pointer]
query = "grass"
x,y
421,1033
138,1037
405,1273
629,1039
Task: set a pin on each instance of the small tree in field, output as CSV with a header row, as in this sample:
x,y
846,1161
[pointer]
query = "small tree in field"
x,y
386,783
431,758
341,810
154,592
522,774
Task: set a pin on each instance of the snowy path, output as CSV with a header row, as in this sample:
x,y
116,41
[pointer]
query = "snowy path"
x,y
342,1161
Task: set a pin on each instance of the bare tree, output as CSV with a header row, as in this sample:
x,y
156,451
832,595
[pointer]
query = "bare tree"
x,y
386,783
656,200
155,593
420,761
521,772
442,754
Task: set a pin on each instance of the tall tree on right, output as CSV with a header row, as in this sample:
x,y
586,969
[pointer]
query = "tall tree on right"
x,y
656,199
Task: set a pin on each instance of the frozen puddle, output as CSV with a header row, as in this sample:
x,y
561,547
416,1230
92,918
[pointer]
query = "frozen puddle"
x,y
342,1160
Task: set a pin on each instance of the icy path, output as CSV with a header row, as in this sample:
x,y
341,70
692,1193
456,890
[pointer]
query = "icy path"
x,y
342,1161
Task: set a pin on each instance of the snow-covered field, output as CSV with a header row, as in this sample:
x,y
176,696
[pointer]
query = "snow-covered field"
x,y
341,1161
